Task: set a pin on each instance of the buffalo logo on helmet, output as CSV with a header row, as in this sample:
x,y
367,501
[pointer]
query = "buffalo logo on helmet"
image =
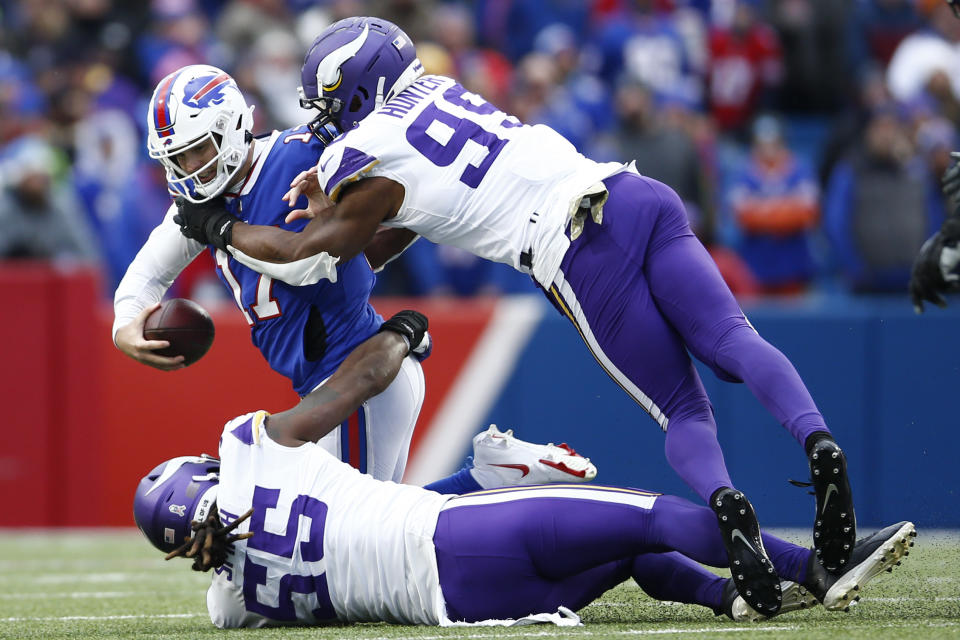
x,y
203,91
178,509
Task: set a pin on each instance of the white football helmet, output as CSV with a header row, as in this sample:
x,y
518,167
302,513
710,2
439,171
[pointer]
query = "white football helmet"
x,y
194,104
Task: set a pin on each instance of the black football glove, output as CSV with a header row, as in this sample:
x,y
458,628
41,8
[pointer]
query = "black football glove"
x,y
935,267
951,181
412,325
206,222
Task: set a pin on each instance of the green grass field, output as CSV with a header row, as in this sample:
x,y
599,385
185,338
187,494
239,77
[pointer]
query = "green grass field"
x,y
111,584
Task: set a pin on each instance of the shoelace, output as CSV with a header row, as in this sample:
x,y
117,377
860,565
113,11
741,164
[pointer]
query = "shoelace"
x,y
803,485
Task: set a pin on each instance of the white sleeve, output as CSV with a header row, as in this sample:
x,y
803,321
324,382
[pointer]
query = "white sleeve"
x,y
299,273
161,259
226,608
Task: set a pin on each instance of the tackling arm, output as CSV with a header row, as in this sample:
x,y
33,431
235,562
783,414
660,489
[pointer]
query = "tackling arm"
x,y
387,245
367,371
343,231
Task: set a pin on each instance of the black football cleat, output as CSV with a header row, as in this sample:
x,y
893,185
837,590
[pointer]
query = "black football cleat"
x,y
751,568
878,552
835,525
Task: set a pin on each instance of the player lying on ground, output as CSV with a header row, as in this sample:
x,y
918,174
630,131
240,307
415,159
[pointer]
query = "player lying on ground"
x,y
200,129
296,536
612,249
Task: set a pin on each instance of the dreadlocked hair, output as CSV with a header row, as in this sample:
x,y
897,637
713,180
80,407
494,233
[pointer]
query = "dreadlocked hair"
x,y
210,541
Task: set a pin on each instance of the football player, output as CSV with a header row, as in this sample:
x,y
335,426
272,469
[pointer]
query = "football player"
x,y
200,129
296,536
611,249
936,269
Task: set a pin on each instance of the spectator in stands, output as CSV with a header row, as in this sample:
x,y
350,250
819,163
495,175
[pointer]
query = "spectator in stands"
x,y
413,16
268,72
877,209
876,29
645,43
774,210
512,27
481,70
816,70
108,149
240,23
663,152
179,35
744,68
40,217
590,95
928,61
539,98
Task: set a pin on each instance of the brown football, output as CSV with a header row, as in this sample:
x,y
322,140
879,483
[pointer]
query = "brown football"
x,y
185,325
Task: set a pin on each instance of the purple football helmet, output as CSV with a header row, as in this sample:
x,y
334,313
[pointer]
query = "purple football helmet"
x,y
172,495
352,68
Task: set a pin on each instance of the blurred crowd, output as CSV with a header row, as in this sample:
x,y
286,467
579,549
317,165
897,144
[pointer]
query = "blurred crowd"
x,y
806,137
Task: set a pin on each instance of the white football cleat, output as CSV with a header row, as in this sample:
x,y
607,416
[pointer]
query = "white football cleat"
x,y
795,597
501,460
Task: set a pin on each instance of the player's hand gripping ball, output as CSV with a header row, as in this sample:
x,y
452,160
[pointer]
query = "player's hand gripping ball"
x,y
185,325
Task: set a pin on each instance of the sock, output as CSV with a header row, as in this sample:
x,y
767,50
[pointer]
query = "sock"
x,y
460,482
814,438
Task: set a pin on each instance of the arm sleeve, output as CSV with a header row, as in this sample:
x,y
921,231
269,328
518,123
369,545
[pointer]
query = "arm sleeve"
x,y
300,273
161,259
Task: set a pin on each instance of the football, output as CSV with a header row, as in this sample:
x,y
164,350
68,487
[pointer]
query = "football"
x,y
185,324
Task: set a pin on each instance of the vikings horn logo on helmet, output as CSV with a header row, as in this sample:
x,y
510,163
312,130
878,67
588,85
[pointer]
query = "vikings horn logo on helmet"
x,y
329,76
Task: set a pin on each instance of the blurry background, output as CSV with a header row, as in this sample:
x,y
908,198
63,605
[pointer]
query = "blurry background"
x,y
807,139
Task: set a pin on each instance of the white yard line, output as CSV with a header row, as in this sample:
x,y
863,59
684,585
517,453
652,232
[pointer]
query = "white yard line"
x,y
713,630
914,599
155,616
567,631
112,576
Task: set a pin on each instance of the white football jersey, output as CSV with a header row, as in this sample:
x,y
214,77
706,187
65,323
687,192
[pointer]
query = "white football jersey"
x,y
329,543
474,176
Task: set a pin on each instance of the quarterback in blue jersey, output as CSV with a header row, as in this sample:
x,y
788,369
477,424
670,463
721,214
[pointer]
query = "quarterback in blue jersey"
x,y
200,129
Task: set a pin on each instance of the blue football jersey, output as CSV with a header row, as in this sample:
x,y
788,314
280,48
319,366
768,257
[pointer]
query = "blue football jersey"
x,y
303,332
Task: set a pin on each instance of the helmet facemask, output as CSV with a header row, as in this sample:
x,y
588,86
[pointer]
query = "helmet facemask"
x,y
324,126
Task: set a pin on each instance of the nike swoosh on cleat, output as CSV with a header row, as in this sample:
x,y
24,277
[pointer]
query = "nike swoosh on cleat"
x,y
519,467
559,466
736,533
323,167
831,489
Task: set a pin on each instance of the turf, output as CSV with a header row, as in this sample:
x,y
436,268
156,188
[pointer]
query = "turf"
x,y
110,584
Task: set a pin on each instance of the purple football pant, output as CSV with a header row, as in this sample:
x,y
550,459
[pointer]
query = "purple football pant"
x,y
509,553
642,290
